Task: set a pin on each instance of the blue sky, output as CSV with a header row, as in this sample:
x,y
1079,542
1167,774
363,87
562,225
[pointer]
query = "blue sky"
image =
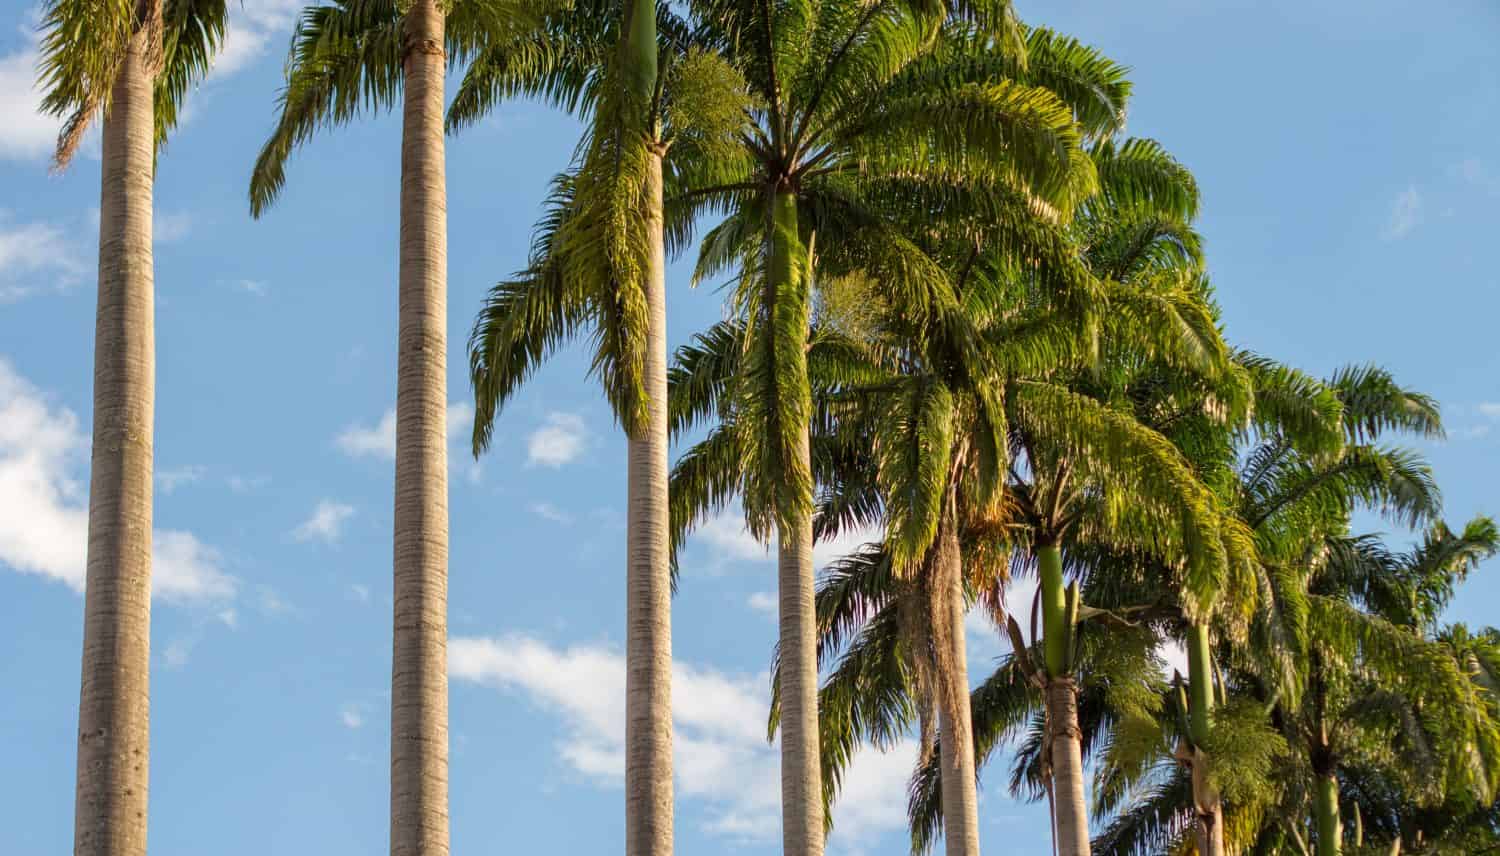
x,y
1351,183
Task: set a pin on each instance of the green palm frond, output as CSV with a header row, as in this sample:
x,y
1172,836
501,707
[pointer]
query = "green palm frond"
x,y
913,448
1374,404
345,59
1138,177
193,31
83,44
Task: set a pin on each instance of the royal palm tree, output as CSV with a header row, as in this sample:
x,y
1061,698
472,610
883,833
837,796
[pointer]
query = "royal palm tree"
x,y
599,264
370,54
130,62
855,108
1294,494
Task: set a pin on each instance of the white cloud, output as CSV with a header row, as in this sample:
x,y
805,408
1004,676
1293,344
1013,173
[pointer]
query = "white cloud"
x,y
727,538
1406,214
379,440
254,26
252,287
44,507
548,511
1474,172
722,758
352,715
25,132
245,484
166,228
559,441
36,258
171,480
178,652
326,523
1490,409
360,593
762,601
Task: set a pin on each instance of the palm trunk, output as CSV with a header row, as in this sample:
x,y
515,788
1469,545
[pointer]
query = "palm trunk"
x,y
960,789
1070,811
801,774
1326,807
1067,768
648,634
419,677
1210,809
114,708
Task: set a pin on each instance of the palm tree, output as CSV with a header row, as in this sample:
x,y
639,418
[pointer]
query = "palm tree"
x,y
911,437
1304,631
599,261
344,57
131,63
855,110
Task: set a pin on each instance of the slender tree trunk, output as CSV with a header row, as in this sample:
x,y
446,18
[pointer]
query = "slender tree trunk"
x,y
1067,767
1210,809
960,789
114,708
1326,808
648,634
419,663
1070,810
801,774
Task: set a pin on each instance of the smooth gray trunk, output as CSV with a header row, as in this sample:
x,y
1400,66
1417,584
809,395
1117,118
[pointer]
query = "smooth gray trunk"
x,y
1071,807
114,708
419,663
955,721
648,607
801,775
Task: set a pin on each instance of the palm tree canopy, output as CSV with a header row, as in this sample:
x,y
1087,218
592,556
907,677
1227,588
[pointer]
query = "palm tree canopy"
x,y
84,45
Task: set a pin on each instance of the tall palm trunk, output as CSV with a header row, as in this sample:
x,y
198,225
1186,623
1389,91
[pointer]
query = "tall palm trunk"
x,y
419,677
801,775
114,707
1210,809
1326,807
648,633
1069,806
959,786
1067,768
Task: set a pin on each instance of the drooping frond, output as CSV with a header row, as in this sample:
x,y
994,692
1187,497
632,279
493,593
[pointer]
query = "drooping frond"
x,y
83,45
192,32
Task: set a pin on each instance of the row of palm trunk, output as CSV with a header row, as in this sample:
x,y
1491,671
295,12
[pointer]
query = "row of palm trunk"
x,y
113,724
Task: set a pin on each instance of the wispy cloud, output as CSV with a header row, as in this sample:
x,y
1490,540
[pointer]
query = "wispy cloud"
x,y
763,602
26,133
559,441
246,484
1406,214
379,440
169,480
250,286
44,507
722,759
166,228
36,258
326,523
352,715
548,511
